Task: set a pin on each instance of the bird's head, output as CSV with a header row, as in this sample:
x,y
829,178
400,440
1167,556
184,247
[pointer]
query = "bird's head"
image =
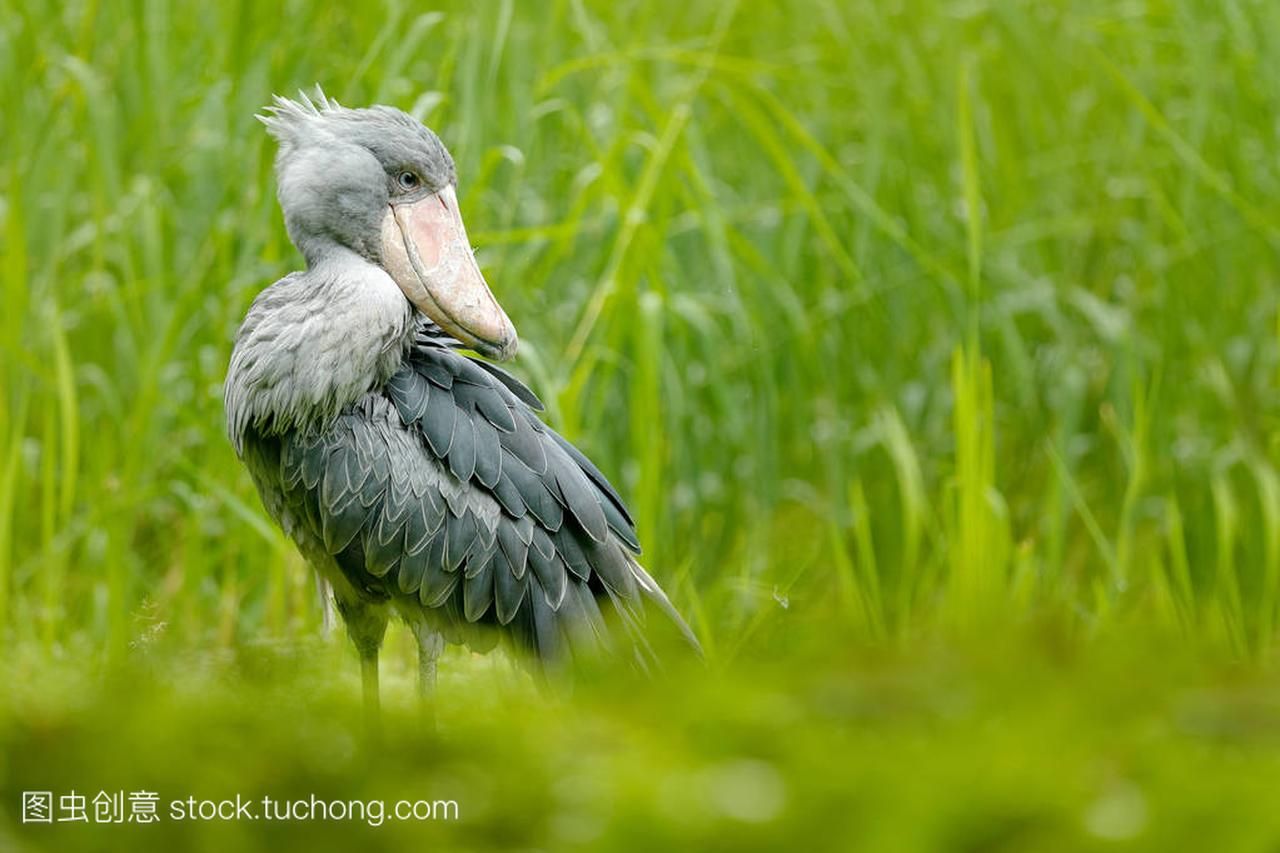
x,y
379,183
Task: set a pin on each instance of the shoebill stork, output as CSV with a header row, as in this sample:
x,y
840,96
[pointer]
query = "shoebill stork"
x,y
416,479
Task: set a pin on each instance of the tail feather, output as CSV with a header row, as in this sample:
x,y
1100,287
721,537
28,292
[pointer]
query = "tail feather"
x,y
594,619
649,587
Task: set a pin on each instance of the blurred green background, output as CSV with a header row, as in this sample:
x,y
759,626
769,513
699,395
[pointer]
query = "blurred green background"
x,y
934,344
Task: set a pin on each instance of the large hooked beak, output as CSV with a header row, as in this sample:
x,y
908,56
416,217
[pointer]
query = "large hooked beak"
x,y
426,252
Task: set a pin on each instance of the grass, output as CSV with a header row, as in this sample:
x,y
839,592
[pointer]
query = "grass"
x,y
935,345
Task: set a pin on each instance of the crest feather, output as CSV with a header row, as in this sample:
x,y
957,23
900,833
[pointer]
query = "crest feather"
x,y
289,120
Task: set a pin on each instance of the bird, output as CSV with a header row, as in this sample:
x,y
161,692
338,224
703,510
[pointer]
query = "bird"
x,y
415,475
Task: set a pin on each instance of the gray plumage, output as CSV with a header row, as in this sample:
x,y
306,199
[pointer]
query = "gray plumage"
x,y
413,477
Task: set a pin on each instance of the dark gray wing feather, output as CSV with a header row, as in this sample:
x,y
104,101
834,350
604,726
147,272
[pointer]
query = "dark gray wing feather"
x,y
444,486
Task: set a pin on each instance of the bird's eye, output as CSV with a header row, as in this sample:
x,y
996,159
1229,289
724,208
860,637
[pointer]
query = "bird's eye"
x,y
407,180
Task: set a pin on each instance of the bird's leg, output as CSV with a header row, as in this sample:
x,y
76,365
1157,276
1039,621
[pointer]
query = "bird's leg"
x,y
372,699
430,645
324,591
366,625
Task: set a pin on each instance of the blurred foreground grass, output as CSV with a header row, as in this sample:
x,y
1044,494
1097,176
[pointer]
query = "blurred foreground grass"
x,y
933,343
1032,743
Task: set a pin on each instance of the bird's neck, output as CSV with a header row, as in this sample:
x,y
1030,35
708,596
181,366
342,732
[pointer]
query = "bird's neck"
x,y
314,343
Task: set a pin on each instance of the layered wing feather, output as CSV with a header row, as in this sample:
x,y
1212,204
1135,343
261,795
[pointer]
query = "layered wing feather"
x,y
445,487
